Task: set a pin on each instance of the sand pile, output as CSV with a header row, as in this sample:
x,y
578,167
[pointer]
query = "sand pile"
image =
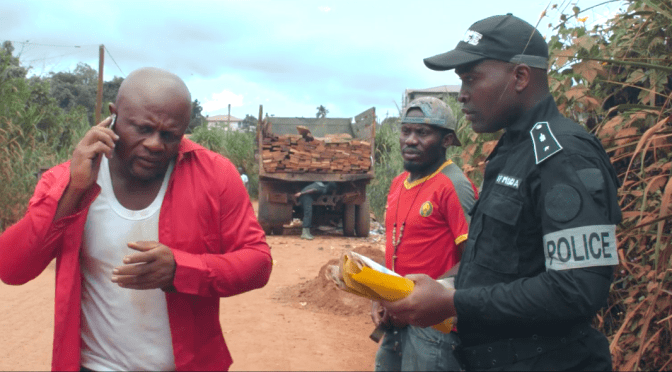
x,y
320,294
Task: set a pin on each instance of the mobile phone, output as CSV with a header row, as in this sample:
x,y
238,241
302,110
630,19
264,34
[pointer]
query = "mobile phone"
x,y
114,120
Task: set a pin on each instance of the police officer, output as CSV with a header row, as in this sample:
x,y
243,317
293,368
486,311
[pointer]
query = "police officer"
x,y
541,249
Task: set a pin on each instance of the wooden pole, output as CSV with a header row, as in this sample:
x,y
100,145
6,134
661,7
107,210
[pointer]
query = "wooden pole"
x,y
260,140
99,95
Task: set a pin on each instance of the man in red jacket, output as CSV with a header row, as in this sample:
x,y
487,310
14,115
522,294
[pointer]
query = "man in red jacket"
x,y
148,230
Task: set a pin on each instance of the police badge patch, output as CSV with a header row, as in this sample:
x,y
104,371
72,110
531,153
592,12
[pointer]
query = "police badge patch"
x,y
580,247
426,209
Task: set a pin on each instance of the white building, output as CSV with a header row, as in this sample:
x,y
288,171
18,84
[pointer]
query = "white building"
x,y
225,122
440,92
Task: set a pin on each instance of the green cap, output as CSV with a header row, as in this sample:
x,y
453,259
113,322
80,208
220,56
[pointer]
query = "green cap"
x,y
435,112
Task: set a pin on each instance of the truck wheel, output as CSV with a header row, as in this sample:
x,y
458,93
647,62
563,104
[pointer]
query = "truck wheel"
x,y
363,220
349,220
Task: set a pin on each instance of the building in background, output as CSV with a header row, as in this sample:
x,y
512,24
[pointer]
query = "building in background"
x,y
440,92
225,122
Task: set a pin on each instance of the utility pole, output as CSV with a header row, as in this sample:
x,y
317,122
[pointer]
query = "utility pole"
x,y
99,95
228,119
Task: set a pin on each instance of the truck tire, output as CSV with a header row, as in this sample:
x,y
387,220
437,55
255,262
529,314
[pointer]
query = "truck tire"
x,y
349,220
362,220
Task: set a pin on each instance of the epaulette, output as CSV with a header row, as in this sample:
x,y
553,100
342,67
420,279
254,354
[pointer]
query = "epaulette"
x,y
545,143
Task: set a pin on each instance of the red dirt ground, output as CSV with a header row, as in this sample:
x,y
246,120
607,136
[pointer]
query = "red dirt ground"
x,y
298,321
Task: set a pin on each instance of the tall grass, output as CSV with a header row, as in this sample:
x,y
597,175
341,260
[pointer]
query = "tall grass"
x,y
34,134
389,164
236,146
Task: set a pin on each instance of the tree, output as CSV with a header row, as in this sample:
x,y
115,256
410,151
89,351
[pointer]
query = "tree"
x,y
11,66
77,88
321,112
110,89
80,88
249,123
197,117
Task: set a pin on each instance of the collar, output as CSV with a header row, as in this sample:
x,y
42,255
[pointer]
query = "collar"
x,y
186,146
544,109
410,185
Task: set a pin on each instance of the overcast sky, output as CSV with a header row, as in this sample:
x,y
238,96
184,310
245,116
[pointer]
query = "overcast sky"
x,y
290,56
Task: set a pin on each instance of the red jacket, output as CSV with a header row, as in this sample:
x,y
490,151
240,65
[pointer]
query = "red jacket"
x,y
206,219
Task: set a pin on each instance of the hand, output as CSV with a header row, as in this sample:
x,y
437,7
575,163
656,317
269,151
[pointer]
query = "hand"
x,y
381,316
430,303
378,314
297,195
100,139
153,267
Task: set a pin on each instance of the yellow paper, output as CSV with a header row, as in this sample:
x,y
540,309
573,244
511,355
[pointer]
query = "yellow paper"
x,y
389,287
375,285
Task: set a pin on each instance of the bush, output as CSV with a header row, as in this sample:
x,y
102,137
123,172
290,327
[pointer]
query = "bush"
x,y
388,164
236,146
34,134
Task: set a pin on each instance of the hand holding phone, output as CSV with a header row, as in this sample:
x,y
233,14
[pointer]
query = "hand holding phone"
x,y
97,142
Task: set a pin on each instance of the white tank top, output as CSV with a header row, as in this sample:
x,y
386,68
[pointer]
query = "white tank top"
x,y
122,329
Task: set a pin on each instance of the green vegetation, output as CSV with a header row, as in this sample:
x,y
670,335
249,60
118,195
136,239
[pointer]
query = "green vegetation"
x,y
236,146
388,164
34,133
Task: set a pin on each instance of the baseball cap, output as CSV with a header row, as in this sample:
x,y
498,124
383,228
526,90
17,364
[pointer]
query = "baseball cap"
x,y
435,112
503,37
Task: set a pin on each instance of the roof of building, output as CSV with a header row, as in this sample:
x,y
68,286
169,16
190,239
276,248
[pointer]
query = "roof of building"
x,y
439,89
222,118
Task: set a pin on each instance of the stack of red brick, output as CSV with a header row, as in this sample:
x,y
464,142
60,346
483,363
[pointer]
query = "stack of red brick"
x,y
292,153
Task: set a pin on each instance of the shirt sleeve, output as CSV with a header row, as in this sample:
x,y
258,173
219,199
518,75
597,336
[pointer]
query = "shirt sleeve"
x,y
454,204
27,247
459,200
239,258
576,204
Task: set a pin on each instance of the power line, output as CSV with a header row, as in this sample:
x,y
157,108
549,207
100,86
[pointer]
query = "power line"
x,y
50,45
46,58
115,62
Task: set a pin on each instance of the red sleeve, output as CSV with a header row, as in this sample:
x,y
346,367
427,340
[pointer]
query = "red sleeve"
x,y
245,260
27,247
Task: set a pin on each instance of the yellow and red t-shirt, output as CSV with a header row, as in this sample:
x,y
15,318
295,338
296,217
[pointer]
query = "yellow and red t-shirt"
x,y
435,211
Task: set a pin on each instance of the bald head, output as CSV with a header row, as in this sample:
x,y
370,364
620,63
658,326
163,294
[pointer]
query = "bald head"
x,y
154,84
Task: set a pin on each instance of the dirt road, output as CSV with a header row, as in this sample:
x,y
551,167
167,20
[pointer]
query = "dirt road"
x,y
297,322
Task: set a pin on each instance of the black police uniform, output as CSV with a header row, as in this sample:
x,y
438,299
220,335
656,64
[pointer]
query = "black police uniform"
x,y
539,258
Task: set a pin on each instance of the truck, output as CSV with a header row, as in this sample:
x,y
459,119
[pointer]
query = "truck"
x,y
294,152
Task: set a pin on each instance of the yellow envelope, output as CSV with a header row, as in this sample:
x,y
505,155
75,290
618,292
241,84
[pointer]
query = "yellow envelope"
x,y
365,281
